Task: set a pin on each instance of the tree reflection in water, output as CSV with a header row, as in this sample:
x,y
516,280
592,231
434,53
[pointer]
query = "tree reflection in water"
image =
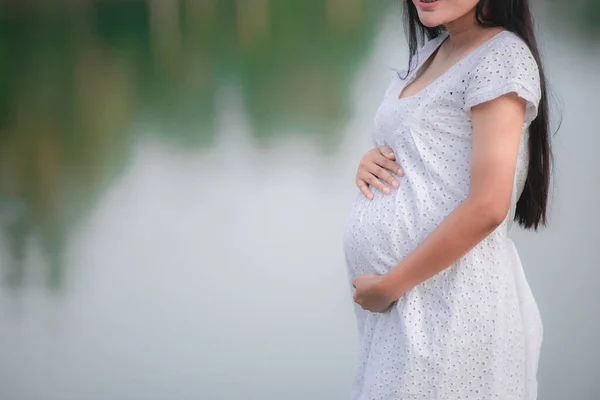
x,y
79,80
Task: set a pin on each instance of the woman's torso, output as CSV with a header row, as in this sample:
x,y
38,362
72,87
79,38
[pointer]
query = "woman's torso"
x,y
430,133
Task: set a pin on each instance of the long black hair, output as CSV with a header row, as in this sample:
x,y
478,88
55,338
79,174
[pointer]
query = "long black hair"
x,y
514,16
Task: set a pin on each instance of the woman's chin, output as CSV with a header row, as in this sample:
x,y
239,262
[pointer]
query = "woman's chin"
x,y
430,21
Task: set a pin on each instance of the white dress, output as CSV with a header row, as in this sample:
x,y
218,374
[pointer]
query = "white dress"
x,y
473,331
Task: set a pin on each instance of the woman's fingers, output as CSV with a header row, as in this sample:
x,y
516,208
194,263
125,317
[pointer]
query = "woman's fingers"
x,y
376,183
390,166
387,161
384,175
381,167
387,152
373,176
374,170
364,188
364,178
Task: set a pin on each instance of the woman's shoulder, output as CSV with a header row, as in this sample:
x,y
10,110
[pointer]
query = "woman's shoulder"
x,y
504,64
507,50
504,58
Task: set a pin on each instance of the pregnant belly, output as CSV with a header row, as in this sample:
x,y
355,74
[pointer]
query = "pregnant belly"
x,y
379,232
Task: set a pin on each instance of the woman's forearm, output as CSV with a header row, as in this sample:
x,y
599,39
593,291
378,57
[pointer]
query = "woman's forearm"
x,y
466,226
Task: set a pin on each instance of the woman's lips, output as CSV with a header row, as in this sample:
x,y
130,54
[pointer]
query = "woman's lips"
x,y
427,5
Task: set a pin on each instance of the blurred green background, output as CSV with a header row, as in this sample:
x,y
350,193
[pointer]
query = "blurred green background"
x,y
171,170
78,81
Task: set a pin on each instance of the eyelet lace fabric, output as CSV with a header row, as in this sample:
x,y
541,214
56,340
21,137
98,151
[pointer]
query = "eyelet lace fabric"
x,y
473,331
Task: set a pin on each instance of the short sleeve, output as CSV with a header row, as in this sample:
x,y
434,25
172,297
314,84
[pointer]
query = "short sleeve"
x,y
506,66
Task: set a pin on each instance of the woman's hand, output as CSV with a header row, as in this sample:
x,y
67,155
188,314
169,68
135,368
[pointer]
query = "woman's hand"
x,y
375,165
371,293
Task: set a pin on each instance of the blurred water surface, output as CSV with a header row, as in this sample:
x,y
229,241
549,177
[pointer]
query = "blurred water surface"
x,y
173,180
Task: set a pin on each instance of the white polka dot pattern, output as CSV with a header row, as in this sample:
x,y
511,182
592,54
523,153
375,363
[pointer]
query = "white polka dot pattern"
x,y
472,331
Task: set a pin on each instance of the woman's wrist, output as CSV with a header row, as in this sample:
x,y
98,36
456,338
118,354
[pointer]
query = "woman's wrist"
x,y
395,284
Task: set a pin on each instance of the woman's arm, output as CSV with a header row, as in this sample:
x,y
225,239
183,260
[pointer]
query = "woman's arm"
x,y
496,134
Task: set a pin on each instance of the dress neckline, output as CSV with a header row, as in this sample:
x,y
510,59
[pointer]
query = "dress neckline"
x,y
436,44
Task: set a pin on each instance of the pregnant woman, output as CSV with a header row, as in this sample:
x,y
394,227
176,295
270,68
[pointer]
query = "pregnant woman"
x,y
462,150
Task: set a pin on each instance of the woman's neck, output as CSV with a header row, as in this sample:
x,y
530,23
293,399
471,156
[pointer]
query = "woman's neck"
x,y
467,32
